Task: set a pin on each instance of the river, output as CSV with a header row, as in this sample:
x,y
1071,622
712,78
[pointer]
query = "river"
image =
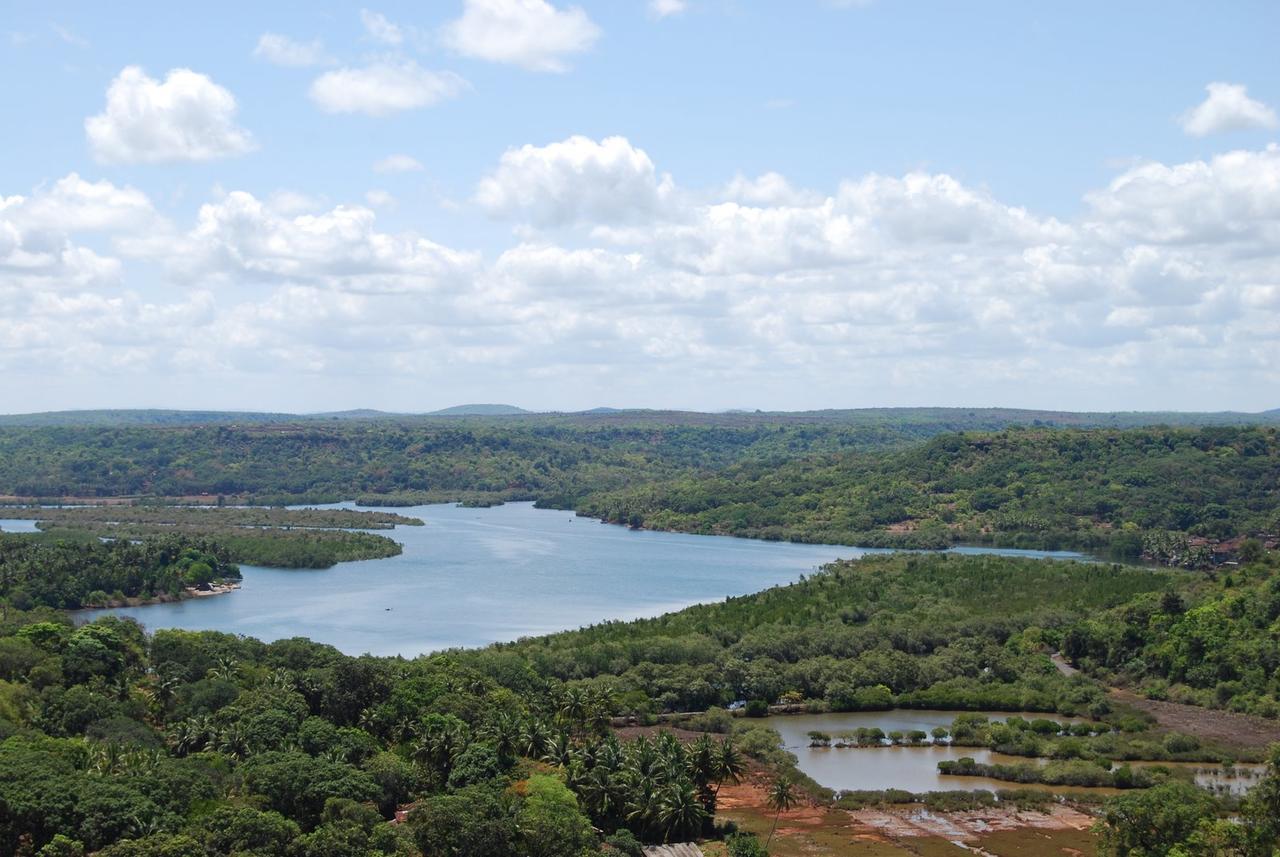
x,y
470,577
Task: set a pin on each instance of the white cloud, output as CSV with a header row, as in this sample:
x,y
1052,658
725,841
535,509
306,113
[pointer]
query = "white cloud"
x,y
1228,107
188,117
532,34
292,202
379,198
577,179
383,88
666,8
397,164
38,250
284,51
241,235
73,204
1231,197
380,29
767,189
624,285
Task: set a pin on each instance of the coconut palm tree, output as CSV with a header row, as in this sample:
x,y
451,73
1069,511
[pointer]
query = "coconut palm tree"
x,y
782,797
680,812
730,765
533,738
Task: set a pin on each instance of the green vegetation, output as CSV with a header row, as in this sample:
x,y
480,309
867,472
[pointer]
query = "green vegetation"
x,y
211,744
37,571
206,743
284,538
922,631
117,742
549,460
1116,490
1180,820
215,517
875,478
1064,773
305,548
1215,644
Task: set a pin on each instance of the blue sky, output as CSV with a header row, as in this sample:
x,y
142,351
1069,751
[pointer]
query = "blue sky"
x,y
969,204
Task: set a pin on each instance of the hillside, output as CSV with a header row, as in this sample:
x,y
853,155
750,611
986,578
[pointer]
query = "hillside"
x,y
1025,488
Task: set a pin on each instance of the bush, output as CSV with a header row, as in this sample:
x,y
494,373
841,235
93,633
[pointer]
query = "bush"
x,y
745,845
625,842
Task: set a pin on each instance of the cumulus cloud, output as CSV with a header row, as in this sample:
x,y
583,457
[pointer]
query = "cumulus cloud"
x,y
532,34
624,284
284,51
398,163
1228,107
380,29
38,246
187,117
577,179
383,88
241,235
1231,197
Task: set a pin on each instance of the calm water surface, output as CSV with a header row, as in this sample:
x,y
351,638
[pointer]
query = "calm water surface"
x,y
14,525
913,769
476,576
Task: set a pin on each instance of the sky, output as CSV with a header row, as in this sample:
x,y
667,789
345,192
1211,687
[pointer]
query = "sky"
x,y
696,204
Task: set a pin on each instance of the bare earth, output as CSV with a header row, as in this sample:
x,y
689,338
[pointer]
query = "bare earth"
x,y
1226,727
901,831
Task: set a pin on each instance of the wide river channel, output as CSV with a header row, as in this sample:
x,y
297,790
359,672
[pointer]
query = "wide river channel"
x,y
470,577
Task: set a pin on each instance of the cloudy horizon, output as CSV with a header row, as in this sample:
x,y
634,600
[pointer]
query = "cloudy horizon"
x,y
666,204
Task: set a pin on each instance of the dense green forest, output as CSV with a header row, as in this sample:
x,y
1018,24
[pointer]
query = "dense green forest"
x,y
214,517
552,462
1216,645
1122,490
910,483
201,743
39,571
923,631
283,538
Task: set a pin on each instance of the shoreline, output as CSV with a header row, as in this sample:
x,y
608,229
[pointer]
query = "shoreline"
x,y
188,593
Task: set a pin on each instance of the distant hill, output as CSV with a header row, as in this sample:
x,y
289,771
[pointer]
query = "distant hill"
x,y
935,419
140,417
479,411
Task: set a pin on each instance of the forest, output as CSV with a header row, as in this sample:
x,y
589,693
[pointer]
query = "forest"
x,y
1170,495
202,743
278,537
39,571
1121,491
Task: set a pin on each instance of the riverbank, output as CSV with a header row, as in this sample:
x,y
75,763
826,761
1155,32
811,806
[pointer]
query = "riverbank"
x,y
187,593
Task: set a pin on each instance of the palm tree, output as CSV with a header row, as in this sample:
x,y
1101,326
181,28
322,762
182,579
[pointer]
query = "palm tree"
x,y
225,668
782,797
680,812
234,742
504,731
729,765
573,708
601,702
534,736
